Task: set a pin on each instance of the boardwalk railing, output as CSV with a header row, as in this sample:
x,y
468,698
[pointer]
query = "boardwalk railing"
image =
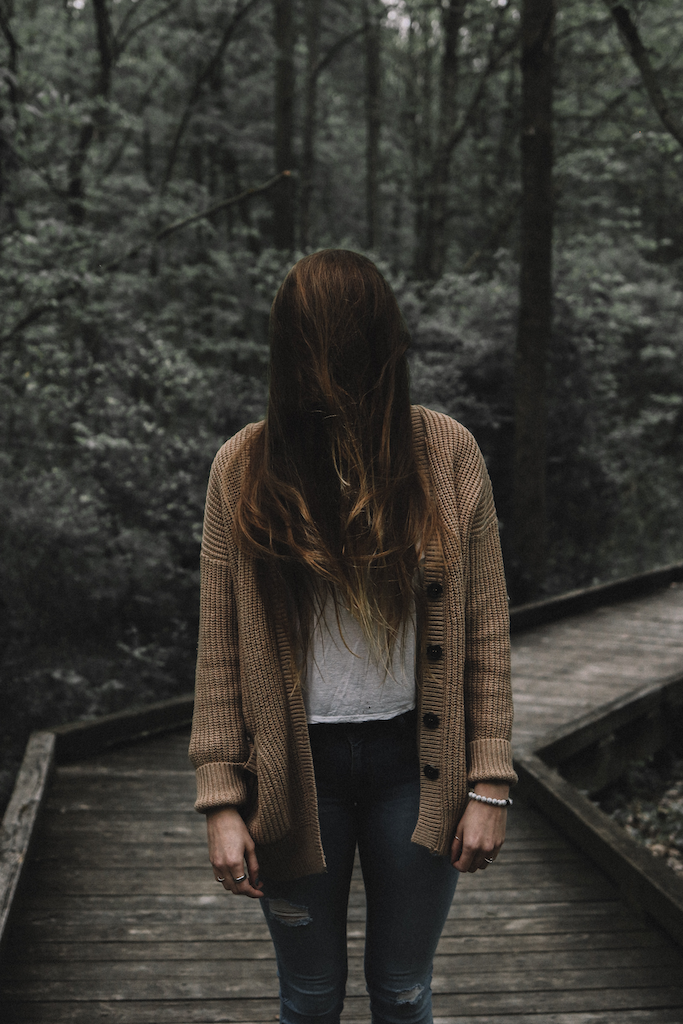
x,y
62,744
643,880
526,616
555,795
591,753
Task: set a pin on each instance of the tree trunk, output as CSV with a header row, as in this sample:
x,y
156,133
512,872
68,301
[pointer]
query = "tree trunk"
x,y
419,107
8,159
6,15
666,110
107,56
431,243
283,193
535,309
209,71
313,21
372,14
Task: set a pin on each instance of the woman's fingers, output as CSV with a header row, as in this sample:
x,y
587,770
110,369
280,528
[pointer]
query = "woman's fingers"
x,y
239,880
478,838
229,845
243,886
252,869
473,857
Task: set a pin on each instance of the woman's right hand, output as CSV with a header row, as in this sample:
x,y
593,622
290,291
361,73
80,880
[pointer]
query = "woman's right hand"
x,y
230,847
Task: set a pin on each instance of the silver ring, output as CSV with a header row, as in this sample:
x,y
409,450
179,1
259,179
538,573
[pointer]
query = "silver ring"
x,y
489,860
219,879
240,879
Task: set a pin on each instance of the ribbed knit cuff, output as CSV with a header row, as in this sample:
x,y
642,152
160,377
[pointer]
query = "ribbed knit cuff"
x,y
490,759
218,784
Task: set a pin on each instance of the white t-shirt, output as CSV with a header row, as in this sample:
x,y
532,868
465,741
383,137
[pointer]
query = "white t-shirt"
x,y
344,683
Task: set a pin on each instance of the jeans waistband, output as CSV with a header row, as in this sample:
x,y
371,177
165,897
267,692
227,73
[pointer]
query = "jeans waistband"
x,y
406,718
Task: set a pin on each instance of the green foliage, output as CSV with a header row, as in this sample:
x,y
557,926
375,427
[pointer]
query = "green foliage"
x,y
117,386
615,401
113,405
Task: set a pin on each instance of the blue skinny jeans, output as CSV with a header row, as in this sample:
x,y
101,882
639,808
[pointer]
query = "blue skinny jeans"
x,y
367,777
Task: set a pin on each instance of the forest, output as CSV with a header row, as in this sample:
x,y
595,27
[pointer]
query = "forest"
x,y
164,162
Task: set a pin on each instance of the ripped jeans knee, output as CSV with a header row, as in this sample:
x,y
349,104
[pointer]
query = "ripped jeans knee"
x,y
412,995
292,915
401,1005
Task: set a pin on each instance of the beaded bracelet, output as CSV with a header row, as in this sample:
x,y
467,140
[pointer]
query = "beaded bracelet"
x,y
506,802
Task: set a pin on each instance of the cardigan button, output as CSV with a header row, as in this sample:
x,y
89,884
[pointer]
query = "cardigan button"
x,y
434,590
431,721
430,771
434,651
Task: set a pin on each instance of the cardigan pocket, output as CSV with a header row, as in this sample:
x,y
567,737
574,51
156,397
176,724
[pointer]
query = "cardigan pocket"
x,y
250,763
268,809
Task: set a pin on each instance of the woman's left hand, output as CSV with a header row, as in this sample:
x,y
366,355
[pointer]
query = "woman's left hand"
x,y
481,830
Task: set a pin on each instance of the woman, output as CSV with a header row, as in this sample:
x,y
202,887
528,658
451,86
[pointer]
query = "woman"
x,y
353,668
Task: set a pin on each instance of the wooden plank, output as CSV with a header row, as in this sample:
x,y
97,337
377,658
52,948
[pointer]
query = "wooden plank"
x,y
615,922
199,880
91,854
163,1011
255,1012
642,966
356,1010
659,1016
79,739
557,1002
167,750
247,946
86,771
148,803
175,827
19,821
218,902
258,980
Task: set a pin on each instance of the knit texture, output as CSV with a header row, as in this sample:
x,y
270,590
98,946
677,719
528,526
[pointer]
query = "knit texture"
x,y
250,741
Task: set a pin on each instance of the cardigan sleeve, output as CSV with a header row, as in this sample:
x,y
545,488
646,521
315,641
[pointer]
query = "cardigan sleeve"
x,y
488,693
219,745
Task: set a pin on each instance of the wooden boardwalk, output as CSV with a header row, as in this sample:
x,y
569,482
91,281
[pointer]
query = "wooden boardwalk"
x,y
564,669
122,921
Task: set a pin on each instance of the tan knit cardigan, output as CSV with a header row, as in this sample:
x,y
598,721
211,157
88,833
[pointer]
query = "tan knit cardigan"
x,y
250,741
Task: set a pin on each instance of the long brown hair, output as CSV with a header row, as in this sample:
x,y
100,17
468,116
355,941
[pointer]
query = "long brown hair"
x,y
334,501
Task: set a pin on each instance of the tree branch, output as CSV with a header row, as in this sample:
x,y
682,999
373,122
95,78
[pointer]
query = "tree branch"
x,y
336,48
130,13
492,62
120,149
179,224
14,47
121,41
495,235
629,34
11,40
63,293
203,75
